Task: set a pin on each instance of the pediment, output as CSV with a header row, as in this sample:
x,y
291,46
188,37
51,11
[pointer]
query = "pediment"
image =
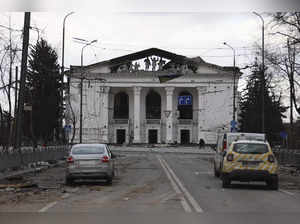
x,y
153,60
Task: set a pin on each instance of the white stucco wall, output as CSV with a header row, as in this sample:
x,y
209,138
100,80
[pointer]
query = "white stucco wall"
x,y
217,111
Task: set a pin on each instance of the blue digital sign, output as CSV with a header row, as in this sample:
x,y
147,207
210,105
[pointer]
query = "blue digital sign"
x,y
185,100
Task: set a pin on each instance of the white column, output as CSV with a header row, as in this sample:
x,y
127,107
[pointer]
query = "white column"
x,y
137,114
201,111
104,91
169,114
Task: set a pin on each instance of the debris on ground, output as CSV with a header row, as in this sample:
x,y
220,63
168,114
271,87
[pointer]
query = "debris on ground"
x,y
15,178
23,185
289,177
288,169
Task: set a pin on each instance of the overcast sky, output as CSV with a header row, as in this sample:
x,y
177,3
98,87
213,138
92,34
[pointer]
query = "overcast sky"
x,y
190,34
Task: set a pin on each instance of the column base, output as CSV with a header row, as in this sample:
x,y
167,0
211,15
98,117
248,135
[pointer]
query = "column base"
x,y
104,136
201,135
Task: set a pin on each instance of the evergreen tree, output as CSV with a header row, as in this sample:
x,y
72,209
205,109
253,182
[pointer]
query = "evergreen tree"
x,y
250,117
43,91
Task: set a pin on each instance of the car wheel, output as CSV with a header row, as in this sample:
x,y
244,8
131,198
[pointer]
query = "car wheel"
x,y
273,183
225,182
217,174
69,181
109,180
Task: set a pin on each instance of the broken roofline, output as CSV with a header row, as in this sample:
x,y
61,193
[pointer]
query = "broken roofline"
x,y
180,59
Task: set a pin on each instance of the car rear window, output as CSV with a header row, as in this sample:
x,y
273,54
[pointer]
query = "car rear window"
x,y
82,150
250,148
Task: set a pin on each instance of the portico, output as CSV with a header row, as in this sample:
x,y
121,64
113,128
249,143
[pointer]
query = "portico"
x,y
132,106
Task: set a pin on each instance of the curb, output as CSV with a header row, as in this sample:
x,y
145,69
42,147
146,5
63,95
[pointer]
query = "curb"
x,y
31,170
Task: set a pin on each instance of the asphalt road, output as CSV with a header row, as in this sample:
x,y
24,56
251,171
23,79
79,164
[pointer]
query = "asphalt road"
x,y
150,183
196,173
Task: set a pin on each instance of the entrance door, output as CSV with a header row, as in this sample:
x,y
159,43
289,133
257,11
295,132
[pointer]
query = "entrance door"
x,y
185,136
152,136
121,136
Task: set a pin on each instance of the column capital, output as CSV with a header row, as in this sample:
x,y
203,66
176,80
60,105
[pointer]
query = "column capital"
x,y
137,90
169,90
104,89
201,89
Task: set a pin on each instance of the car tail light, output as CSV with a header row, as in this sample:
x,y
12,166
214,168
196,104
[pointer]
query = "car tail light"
x,y
230,157
70,159
105,159
224,145
271,158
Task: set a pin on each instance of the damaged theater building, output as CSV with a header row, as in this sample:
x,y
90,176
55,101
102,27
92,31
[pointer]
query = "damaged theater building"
x,y
136,99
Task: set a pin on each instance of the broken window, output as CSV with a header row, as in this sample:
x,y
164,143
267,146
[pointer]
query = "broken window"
x,y
185,105
153,105
121,106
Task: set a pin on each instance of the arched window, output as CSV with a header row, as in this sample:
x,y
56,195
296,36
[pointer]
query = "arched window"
x,y
153,105
185,105
121,106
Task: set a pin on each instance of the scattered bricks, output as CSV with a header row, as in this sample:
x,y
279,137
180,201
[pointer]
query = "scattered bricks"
x,y
8,189
14,186
15,178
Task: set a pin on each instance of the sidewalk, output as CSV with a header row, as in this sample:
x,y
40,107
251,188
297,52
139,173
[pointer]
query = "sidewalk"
x,y
167,149
26,170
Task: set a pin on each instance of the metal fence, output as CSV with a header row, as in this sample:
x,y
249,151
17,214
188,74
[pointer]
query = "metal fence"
x,y
28,155
288,156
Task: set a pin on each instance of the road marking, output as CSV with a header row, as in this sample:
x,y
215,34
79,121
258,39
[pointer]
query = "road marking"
x,y
287,192
50,205
66,195
204,172
168,197
183,201
182,189
193,202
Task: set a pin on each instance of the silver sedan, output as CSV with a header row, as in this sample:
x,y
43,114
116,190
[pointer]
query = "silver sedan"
x,y
90,161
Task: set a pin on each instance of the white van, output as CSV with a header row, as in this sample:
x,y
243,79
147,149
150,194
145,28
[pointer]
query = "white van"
x,y
224,141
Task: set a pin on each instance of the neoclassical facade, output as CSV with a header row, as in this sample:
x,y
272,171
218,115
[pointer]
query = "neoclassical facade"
x,y
129,99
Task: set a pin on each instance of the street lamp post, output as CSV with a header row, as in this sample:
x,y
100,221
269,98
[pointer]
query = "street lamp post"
x,y
63,60
81,84
262,73
234,74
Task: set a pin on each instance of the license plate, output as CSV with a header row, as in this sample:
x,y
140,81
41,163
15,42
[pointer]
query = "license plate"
x,y
250,163
86,163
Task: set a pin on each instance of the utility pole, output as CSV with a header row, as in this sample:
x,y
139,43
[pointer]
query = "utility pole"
x,y
9,86
291,59
263,73
63,67
19,117
233,124
81,87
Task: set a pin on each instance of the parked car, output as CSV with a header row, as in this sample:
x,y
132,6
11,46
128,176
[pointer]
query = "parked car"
x,y
90,161
224,141
248,160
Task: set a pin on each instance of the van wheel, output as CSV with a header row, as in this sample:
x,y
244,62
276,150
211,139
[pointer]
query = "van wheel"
x,y
69,181
225,182
217,174
109,180
273,183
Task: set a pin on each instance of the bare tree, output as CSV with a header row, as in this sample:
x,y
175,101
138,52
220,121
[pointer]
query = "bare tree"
x,y
8,58
287,62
